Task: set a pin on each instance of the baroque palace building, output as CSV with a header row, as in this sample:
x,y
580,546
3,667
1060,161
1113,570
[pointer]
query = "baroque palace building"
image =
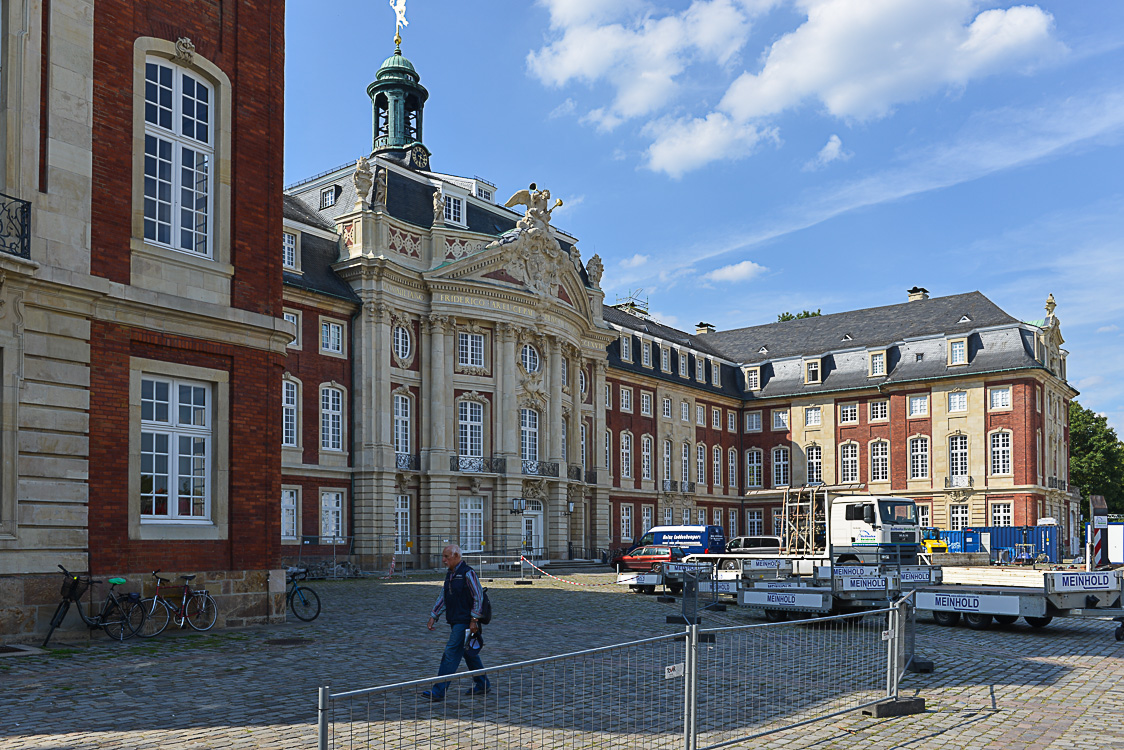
x,y
141,338
457,376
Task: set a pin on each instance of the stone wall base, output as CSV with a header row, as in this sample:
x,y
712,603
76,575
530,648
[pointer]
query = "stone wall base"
x,y
244,597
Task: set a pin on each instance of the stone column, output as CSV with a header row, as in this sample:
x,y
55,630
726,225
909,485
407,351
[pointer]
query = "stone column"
x,y
554,407
599,513
508,420
438,401
382,404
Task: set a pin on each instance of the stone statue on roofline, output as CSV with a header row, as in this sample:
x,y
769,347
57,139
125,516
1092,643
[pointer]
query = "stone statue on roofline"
x,y
380,187
594,269
438,207
531,250
362,179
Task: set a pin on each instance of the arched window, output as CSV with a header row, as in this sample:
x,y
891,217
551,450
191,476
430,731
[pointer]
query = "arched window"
x,y
401,343
529,358
685,463
626,455
290,412
331,419
667,460
958,456
700,464
732,468
815,464
780,467
753,468
716,466
645,457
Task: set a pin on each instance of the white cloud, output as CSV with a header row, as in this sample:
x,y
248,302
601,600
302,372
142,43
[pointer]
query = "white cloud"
x,y
565,108
743,271
832,151
681,146
636,261
1108,328
666,319
639,53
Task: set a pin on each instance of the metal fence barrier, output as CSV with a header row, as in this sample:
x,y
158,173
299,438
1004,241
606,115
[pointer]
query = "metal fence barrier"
x,y
698,690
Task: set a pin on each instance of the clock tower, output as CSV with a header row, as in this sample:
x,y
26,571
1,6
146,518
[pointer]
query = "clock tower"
x,y
397,102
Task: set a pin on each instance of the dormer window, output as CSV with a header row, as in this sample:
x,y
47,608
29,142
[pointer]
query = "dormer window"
x,y
328,197
288,251
483,193
626,347
964,319
812,371
682,363
958,352
877,364
762,350
454,209
752,378
715,373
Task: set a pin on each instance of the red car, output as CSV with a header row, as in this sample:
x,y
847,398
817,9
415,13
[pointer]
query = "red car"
x,y
651,558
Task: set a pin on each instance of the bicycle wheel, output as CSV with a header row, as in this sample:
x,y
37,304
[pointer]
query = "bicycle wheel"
x,y
202,611
157,615
305,603
125,619
56,620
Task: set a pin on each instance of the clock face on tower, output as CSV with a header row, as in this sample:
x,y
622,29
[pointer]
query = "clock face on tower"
x,y
419,158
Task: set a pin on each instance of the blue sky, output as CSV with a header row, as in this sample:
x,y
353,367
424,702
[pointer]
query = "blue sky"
x,y
735,159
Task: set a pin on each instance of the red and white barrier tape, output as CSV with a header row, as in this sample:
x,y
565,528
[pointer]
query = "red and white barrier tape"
x,y
389,574
573,583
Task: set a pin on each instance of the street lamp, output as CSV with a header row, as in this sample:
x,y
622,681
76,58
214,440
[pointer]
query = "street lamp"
x,y
518,505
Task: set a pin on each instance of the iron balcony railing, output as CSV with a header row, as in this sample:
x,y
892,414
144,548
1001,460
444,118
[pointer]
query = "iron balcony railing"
x,y
540,468
964,480
574,472
1056,484
407,461
591,476
15,226
687,487
478,464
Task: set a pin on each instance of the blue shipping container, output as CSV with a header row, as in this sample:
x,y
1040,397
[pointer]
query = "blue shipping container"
x,y
1044,539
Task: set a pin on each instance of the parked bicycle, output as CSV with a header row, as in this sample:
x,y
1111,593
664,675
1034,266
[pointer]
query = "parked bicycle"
x,y
196,608
304,602
121,615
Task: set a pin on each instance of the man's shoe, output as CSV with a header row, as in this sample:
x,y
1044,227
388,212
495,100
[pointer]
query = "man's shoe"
x,y
431,695
477,690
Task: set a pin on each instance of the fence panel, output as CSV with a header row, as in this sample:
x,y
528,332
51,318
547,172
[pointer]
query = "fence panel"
x,y
755,680
613,697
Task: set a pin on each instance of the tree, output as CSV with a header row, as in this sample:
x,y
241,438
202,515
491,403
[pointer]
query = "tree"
x,y
1096,463
789,316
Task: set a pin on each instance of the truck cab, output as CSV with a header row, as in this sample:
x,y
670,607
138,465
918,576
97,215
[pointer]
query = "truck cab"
x,y
871,529
931,540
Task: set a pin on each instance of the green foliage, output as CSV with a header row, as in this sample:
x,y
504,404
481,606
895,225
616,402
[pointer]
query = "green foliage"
x,y
1096,463
805,314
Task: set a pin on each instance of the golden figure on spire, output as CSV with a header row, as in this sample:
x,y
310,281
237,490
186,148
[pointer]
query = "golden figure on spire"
x,y
400,21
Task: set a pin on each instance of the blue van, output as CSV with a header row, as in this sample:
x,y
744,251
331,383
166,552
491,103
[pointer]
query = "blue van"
x,y
693,540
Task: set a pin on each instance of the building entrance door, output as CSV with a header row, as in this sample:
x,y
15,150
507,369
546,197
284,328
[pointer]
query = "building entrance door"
x,y
532,530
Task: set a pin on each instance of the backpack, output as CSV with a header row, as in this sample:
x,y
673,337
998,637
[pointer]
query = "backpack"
x,y
486,609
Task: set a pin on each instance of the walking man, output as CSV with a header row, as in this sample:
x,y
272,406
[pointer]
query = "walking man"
x,y
461,599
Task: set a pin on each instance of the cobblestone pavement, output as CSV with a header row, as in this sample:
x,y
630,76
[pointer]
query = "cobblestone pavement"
x,y
1012,688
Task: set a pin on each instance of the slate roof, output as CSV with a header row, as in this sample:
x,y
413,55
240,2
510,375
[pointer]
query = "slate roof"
x,y
317,256
869,328
296,210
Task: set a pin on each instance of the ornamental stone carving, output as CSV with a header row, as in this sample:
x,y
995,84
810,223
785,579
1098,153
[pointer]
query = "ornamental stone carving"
x,y
402,390
380,187
185,51
401,482
534,489
438,323
531,252
594,269
362,179
438,208
474,485
474,396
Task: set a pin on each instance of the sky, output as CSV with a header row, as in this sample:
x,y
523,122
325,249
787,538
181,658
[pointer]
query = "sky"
x,y
730,160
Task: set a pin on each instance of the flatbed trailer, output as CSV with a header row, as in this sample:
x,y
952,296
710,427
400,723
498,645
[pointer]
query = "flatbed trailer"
x,y
1062,594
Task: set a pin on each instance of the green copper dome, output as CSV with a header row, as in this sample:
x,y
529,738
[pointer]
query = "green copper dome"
x,y
393,65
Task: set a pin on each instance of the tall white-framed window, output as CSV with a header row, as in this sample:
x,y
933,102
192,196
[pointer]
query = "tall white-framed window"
x,y
665,359
331,516
682,363
753,468
733,530
778,522
581,380
645,403
919,458
288,250
529,434
815,464
626,455
666,461
877,364
716,465
848,414
608,396
754,523
667,408
290,406
684,411
958,517
780,467
565,440
732,468
880,461
470,429
879,411
400,341
626,347
178,158
645,457
701,516
626,399
717,516
958,401
813,416
565,370
849,462
716,418
402,524
685,463
529,358
626,522
700,464
289,526
331,337
609,452
958,455
1001,514
454,209
700,369
700,414
919,406
472,524
646,353
331,419
583,437
924,516
715,373
753,378
958,352
402,423
753,421
645,519
1000,453
686,516
470,349
668,516
731,422
295,319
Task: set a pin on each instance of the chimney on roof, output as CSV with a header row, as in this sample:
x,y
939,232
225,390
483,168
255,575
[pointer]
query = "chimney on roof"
x,y
702,328
917,293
